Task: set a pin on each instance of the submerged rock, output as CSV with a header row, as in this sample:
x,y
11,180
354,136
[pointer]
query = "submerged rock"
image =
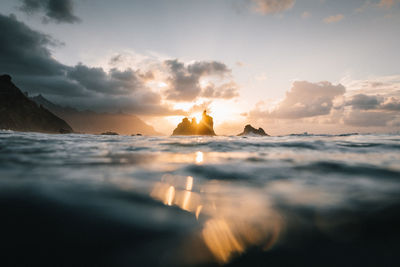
x,y
250,130
204,127
109,133
19,113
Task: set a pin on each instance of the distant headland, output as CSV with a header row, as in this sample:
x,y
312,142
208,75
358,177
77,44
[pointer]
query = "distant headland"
x,y
19,113
203,127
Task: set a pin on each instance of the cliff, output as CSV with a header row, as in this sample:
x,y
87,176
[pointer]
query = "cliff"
x,y
19,113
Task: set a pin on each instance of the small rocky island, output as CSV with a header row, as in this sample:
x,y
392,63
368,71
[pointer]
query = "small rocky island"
x,y
203,127
250,130
109,133
19,113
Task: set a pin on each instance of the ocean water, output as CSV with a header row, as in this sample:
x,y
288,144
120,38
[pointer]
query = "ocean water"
x,y
91,200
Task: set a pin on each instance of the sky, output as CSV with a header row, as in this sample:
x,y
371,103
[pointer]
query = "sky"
x,y
288,66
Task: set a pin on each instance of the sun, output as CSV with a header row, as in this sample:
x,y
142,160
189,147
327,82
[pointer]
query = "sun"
x,y
197,116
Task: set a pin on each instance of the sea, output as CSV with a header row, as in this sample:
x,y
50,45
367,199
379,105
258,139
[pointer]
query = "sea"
x,y
296,200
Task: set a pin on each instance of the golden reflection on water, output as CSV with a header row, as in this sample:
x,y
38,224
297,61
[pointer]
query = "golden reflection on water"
x,y
199,157
189,183
233,218
198,210
170,195
220,240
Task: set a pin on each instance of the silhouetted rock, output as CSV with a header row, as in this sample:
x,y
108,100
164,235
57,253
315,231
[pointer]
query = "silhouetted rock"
x,y
250,130
63,131
19,113
204,127
109,133
138,134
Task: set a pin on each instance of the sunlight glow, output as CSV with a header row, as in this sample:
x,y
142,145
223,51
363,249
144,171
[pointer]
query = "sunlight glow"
x,y
199,157
186,199
229,227
198,210
220,240
197,116
189,183
170,195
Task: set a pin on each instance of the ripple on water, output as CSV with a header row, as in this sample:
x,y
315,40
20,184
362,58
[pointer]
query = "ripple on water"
x,y
229,199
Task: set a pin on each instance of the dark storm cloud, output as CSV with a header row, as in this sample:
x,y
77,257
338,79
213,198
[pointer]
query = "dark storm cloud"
x,y
60,11
113,82
57,85
25,56
184,82
24,51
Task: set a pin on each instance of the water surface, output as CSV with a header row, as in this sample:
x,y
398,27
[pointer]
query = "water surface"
x,y
95,200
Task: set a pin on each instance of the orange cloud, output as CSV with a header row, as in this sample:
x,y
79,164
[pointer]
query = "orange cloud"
x,y
386,3
334,18
272,6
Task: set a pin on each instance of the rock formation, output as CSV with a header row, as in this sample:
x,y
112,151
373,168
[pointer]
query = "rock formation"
x,y
19,113
250,130
109,133
204,127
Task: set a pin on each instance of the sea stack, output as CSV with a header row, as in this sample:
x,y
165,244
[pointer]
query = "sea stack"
x,y
203,127
250,130
19,113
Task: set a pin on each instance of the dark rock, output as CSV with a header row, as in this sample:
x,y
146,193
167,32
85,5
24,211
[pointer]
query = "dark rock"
x,y
109,133
64,131
250,130
204,127
138,134
5,78
19,113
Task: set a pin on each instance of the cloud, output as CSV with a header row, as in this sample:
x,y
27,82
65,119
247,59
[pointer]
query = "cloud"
x,y
224,91
387,3
184,80
364,102
367,118
59,11
364,105
25,51
30,63
334,18
391,103
114,82
305,15
272,6
307,99
380,4
374,102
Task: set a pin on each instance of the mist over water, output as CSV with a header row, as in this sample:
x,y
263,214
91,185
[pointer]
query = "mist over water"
x,y
189,201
